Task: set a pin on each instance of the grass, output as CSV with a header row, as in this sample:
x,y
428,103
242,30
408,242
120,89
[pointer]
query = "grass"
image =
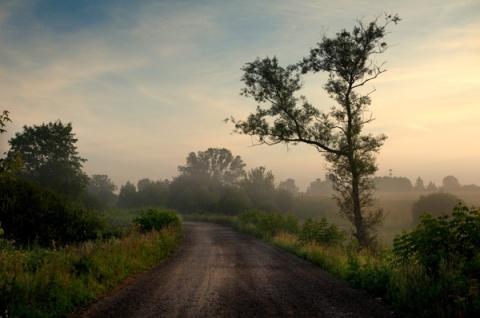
x,y
52,282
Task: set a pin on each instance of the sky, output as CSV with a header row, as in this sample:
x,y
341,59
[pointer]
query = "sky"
x,y
144,83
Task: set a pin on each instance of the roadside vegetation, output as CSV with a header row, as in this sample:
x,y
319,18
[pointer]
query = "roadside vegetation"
x,y
431,271
41,281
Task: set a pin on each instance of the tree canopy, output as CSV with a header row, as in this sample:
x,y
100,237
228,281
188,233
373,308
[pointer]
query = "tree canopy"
x,y
101,186
349,60
50,157
216,164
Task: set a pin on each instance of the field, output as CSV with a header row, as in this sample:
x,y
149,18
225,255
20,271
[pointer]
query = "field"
x,y
396,205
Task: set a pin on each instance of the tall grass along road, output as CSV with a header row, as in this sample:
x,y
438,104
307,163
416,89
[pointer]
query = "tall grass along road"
x,y
218,272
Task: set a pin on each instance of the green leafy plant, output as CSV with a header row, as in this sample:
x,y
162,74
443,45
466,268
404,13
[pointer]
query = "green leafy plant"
x,y
154,218
321,232
33,214
444,251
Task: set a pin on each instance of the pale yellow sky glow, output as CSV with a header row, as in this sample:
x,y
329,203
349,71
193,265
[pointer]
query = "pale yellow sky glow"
x,y
144,84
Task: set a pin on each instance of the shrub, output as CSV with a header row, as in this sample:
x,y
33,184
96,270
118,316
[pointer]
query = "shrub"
x,y
154,218
33,214
454,239
445,250
434,203
320,232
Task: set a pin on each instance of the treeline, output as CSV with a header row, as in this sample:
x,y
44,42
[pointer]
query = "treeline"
x,y
198,189
213,180
402,184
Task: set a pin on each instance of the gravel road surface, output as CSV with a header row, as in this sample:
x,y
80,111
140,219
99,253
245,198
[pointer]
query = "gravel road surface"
x,y
218,272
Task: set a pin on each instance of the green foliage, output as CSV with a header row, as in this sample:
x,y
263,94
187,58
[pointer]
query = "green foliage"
x,y
190,194
233,201
217,165
33,214
259,185
128,198
319,187
434,203
320,232
101,186
50,157
289,185
53,282
266,225
445,252
152,193
156,219
445,238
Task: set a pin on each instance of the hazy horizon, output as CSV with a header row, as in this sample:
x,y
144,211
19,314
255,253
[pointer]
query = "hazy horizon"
x,y
145,83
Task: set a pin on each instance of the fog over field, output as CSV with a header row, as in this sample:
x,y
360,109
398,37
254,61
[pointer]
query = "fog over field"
x,y
144,83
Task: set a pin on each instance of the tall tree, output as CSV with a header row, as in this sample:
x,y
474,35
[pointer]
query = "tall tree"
x,y
319,187
419,185
103,187
50,157
451,183
216,164
259,185
152,193
289,185
128,196
349,60
12,164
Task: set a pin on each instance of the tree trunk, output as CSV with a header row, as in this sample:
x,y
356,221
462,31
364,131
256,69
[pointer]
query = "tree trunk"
x,y
360,231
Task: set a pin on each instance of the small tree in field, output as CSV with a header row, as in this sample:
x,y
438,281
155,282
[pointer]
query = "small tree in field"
x,y
349,60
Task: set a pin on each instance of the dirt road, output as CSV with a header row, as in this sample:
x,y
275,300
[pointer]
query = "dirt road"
x,y
220,273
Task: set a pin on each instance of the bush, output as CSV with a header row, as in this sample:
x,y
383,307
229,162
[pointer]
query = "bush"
x,y
445,250
154,218
320,232
33,214
435,203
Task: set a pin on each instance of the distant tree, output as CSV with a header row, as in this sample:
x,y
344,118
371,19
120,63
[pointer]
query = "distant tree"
x,y
259,184
289,185
393,184
450,183
470,187
152,193
101,186
193,194
319,187
143,183
435,204
204,179
431,187
216,164
233,201
419,186
50,157
349,60
128,196
284,200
